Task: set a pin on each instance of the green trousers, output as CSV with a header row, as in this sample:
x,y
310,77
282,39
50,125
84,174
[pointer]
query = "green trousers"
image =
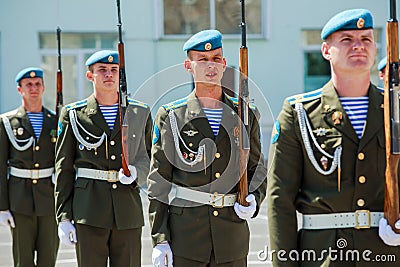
x,y
96,246
183,262
34,234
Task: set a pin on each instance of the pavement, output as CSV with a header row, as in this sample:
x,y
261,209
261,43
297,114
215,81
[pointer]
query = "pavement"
x,y
259,237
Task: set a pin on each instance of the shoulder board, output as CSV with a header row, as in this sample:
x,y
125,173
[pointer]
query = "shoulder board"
x,y
135,102
77,104
176,104
304,97
235,102
9,113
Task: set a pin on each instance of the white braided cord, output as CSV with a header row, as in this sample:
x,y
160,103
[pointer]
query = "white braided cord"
x,y
75,123
304,125
14,140
176,135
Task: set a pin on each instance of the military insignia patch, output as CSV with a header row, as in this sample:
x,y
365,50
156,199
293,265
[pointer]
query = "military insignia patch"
x,y
59,128
191,133
276,131
156,134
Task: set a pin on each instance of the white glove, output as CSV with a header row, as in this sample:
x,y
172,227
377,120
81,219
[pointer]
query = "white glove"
x,y
6,218
67,233
246,212
161,255
387,234
125,179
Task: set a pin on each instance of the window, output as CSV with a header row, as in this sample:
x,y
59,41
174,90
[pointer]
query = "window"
x,y
75,49
316,69
185,17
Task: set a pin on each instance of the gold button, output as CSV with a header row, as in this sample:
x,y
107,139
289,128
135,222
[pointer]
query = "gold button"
x,y
361,156
190,144
112,142
114,186
113,157
37,148
217,155
323,146
36,165
34,181
217,175
360,202
362,179
215,213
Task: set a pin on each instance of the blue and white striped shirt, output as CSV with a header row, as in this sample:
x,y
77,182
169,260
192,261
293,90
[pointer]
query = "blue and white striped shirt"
x,y
214,116
109,114
36,119
356,108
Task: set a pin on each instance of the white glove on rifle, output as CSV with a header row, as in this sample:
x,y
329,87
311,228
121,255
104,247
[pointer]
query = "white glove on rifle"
x,y
162,253
387,234
67,233
125,179
6,218
246,212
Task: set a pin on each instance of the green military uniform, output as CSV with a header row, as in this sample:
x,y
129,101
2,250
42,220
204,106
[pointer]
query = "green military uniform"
x,y
296,184
101,204
196,231
24,190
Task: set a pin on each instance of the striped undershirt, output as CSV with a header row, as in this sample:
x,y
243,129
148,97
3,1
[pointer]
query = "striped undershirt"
x,y
356,108
109,114
214,116
36,119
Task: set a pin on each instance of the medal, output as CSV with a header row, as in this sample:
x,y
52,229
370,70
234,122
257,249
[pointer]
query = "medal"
x,y
336,117
20,131
324,162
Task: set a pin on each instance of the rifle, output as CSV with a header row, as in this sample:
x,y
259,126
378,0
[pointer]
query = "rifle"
x,y
243,112
122,96
59,93
392,119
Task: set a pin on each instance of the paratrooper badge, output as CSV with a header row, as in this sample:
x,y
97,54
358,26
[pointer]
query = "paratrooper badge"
x,y
191,133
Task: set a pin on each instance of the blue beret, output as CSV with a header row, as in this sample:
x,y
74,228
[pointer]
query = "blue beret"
x,y
382,64
353,19
30,72
204,41
103,56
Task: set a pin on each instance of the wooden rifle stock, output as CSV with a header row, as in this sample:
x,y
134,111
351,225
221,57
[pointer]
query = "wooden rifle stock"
x,y
243,114
391,119
122,96
59,85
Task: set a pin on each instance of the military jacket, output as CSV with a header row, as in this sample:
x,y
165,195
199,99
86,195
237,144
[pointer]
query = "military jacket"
x,y
96,202
194,229
22,195
294,184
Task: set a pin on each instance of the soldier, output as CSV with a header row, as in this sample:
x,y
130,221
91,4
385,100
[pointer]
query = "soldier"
x,y
328,159
194,217
97,206
382,68
27,138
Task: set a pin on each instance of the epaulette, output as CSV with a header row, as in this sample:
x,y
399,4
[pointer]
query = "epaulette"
x,y
135,102
175,104
304,97
235,102
9,113
77,104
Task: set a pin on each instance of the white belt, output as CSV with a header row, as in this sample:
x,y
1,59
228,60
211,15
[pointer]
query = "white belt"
x,y
31,174
216,200
109,176
359,219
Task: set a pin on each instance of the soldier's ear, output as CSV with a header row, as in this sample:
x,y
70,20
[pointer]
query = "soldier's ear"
x,y
325,51
188,65
89,75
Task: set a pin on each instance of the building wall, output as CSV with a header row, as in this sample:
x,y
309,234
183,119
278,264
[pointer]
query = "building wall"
x,y
275,63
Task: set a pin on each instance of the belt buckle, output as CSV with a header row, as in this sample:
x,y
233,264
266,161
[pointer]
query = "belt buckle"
x,y
34,172
214,196
357,214
109,179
